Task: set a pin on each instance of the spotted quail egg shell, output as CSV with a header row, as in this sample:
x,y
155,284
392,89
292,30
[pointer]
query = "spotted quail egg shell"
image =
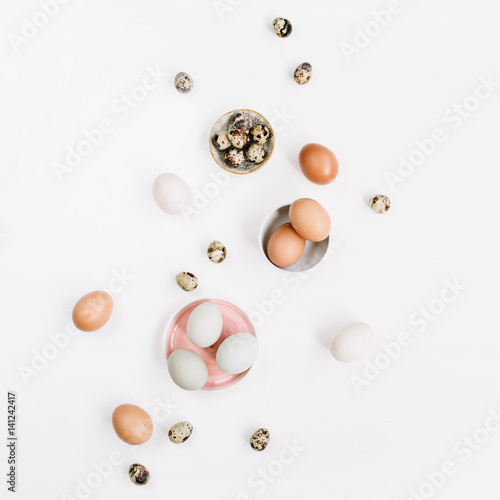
x,y
303,73
180,432
256,153
171,193
234,157
183,82
237,353
260,134
352,342
380,204
222,140
204,325
187,369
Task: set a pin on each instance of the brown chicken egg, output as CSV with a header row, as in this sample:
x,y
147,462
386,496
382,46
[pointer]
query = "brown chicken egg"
x,y
309,219
132,424
93,311
318,164
285,246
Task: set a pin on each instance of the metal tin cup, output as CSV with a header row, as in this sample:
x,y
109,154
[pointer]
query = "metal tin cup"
x,y
313,253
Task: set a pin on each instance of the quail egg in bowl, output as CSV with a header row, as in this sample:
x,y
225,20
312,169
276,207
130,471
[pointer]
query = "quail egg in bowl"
x,y
242,141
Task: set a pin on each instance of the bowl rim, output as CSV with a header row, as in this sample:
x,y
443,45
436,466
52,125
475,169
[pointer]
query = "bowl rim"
x,y
263,250
227,169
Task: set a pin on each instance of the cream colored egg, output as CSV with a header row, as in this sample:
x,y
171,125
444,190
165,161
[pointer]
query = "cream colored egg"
x,y
351,342
204,325
171,193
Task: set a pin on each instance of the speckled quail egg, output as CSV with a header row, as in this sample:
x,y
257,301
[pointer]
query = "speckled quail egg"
x,y
187,281
138,474
256,153
221,140
259,134
234,157
380,204
238,138
183,82
282,27
241,121
303,73
179,433
216,252
260,439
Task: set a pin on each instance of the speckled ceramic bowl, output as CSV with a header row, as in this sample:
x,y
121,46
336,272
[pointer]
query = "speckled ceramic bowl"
x,y
234,321
313,253
224,123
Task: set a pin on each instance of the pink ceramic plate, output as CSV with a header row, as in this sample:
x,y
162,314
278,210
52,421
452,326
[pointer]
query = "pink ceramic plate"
x,y
235,321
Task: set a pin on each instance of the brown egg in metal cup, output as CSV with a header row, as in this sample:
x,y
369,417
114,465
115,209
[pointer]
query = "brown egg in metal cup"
x,y
236,156
313,251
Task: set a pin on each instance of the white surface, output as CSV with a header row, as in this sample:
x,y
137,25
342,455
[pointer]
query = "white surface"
x,y
61,240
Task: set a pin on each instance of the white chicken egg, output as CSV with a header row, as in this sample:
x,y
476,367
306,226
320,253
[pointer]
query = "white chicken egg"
x,y
237,353
204,325
171,193
351,342
187,369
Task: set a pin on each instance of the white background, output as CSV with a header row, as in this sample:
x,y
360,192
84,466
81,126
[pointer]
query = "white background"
x,y
62,239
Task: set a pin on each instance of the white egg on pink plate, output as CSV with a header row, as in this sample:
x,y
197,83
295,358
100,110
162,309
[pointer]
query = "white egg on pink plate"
x,y
237,353
204,325
187,369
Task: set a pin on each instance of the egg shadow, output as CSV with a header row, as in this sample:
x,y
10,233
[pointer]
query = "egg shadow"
x,y
327,330
293,157
248,433
252,226
161,352
368,195
324,336
106,413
